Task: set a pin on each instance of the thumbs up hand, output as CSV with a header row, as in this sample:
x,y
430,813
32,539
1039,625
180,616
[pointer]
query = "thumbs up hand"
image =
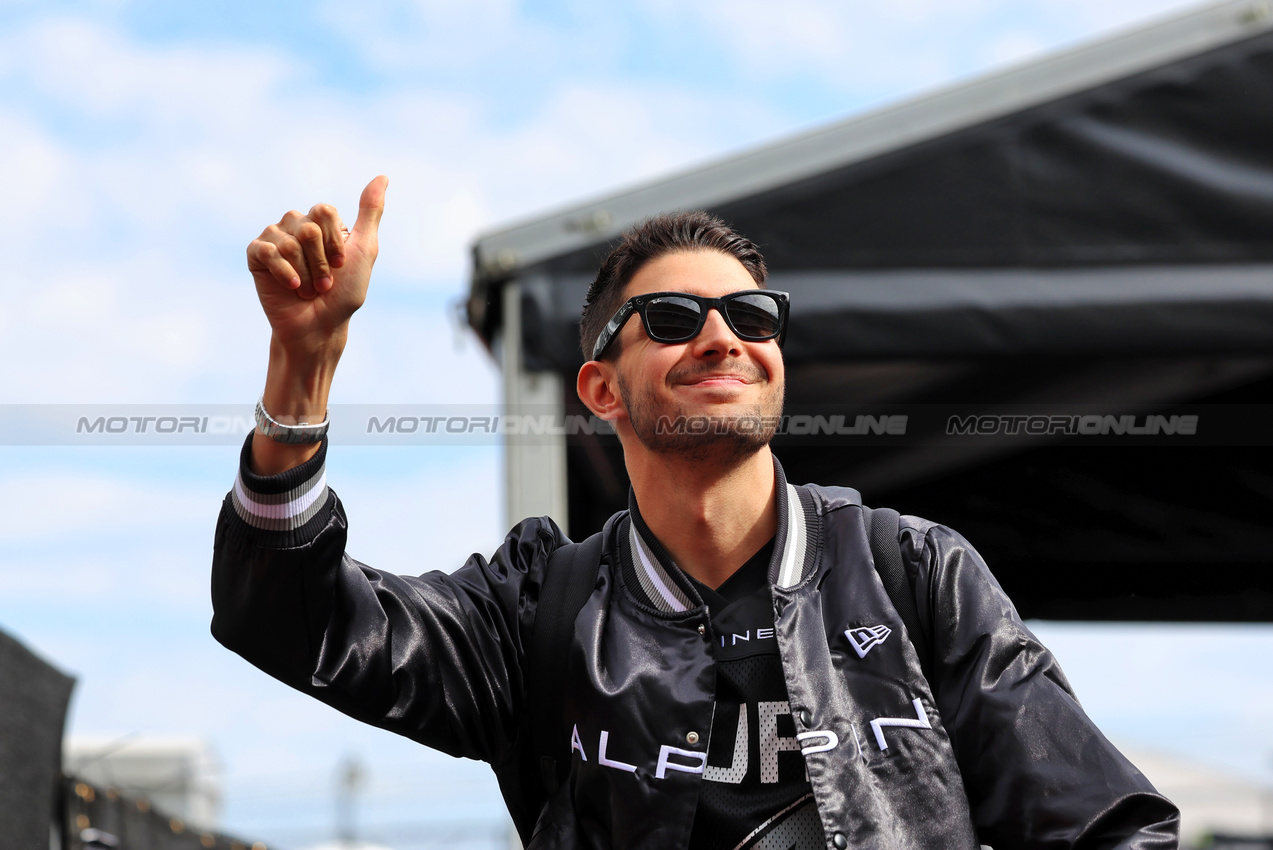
x,y
311,275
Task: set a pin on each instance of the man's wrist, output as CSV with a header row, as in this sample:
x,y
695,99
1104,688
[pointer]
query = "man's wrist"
x,y
290,429
297,382
269,457
297,385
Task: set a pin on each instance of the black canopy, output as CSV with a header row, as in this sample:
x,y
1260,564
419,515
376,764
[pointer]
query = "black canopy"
x,y
1090,234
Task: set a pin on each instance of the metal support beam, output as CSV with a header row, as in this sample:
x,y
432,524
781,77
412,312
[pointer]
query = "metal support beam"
x,y
534,464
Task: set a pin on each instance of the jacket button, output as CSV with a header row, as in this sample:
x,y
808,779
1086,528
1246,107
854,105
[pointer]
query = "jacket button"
x,y
805,720
840,841
702,629
692,738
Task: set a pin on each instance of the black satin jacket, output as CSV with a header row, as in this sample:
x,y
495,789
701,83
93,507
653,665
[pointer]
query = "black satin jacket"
x,y
996,750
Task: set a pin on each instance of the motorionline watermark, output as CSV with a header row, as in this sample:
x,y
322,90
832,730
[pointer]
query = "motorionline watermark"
x,y
502,425
492,424
796,425
1072,425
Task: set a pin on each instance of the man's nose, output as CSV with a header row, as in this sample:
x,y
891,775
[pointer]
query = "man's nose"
x,y
716,336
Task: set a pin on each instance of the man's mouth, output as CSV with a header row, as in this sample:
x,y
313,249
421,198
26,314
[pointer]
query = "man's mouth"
x,y
718,381
738,376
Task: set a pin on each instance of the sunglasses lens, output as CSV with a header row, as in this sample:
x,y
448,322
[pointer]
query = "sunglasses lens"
x,y
755,315
672,319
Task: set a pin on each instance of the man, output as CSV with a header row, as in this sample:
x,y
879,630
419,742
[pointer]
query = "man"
x,y
738,677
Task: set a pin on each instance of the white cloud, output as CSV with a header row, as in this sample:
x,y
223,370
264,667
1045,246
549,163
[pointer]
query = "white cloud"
x,y
36,173
591,138
102,543
1098,16
884,50
843,46
1014,47
436,33
145,331
429,520
412,357
121,540
97,71
133,330
39,505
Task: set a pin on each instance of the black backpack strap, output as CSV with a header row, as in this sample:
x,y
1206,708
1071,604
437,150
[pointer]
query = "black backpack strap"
x,y
883,530
570,579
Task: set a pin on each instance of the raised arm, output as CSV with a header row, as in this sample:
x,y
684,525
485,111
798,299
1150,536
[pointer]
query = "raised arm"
x,y
311,275
436,657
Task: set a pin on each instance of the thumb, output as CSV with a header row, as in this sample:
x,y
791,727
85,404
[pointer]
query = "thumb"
x,y
371,206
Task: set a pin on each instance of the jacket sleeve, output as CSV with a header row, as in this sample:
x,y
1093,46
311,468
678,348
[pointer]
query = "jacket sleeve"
x,y
1038,772
437,658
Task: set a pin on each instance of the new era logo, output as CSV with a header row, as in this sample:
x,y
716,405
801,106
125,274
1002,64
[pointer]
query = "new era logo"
x,y
866,638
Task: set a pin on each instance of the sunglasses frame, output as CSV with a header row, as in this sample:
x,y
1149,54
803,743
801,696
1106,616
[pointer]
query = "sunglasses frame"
x,y
640,303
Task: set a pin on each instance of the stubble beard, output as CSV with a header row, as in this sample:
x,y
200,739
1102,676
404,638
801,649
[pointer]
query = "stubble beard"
x,y
727,439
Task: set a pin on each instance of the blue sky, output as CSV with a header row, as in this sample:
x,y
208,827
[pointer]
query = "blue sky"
x,y
146,143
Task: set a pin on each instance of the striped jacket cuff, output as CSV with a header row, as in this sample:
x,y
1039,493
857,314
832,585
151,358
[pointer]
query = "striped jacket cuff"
x,y
286,502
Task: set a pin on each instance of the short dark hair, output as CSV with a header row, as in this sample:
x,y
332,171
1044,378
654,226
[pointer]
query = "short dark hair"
x,y
648,241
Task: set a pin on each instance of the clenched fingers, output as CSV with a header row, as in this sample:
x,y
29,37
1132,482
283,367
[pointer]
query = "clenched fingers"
x,y
278,256
334,232
309,235
301,252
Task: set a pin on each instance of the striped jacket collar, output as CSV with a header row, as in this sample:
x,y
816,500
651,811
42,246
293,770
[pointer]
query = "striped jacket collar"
x,y
658,582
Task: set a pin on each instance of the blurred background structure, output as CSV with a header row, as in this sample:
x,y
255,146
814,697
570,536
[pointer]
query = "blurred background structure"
x,y
179,776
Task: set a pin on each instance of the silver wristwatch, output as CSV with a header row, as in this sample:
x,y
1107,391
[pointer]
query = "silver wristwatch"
x,y
302,432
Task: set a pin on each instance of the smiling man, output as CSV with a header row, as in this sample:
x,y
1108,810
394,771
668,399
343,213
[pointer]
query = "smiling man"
x,y
711,494
736,674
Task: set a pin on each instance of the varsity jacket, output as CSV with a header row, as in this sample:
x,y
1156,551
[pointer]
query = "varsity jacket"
x,y
994,750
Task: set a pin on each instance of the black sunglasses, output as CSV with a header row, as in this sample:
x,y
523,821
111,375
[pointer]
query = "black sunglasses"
x,y
752,314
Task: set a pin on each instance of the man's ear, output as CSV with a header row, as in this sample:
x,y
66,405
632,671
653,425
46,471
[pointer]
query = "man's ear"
x,y
597,386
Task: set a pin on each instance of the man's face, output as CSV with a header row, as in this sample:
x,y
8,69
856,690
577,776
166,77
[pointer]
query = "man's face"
x,y
731,386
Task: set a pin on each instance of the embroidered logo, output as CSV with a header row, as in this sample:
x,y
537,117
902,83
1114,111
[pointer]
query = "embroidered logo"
x,y
866,638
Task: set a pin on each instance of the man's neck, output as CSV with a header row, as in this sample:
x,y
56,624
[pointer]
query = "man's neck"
x,y
710,519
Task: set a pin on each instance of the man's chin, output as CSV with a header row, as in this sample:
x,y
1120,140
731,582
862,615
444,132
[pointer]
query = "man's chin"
x,y
721,436
702,431
717,422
